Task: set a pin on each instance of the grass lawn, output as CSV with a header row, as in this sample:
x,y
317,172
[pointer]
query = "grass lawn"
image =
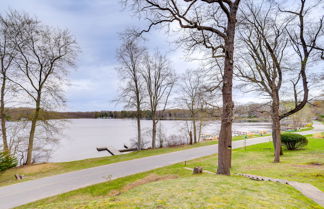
x,y
306,165
207,190
48,169
302,129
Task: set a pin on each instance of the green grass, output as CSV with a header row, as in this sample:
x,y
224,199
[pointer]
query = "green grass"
x,y
48,169
303,129
306,165
207,190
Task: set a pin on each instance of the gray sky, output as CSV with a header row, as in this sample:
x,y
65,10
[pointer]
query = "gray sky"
x,y
96,25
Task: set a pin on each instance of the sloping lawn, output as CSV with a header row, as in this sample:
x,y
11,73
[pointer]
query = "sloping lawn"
x,y
208,190
306,165
204,191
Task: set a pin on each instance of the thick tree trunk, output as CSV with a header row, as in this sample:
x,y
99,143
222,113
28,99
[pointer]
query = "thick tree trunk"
x,y
3,117
32,133
153,132
194,131
276,138
225,136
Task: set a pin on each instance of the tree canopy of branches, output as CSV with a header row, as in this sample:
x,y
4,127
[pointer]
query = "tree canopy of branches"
x,y
159,79
192,97
273,42
42,58
208,24
7,55
130,56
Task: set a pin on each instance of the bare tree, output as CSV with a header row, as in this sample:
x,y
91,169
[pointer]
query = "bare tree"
x,y
159,80
191,91
7,56
43,57
268,39
130,56
209,24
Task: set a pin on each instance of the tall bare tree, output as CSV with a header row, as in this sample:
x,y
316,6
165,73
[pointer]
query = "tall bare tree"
x,y
43,57
191,91
7,55
209,24
271,43
130,56
159,79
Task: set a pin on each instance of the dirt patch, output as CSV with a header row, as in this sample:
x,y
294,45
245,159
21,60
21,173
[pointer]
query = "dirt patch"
x,y
318,136
36,168
316,165
148,179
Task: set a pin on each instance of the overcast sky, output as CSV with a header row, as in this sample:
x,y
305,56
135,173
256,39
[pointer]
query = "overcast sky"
x,y
96,25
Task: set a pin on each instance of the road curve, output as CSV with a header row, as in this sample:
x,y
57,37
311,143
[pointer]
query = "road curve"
x,y
29,191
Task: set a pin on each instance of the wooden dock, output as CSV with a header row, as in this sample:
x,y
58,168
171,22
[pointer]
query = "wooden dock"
x,y
114,151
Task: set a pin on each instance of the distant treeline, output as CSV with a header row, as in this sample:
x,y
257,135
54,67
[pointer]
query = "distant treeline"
x,y
247,112
21,113
170,114
14,114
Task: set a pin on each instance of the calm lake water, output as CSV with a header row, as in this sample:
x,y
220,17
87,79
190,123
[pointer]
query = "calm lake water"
x,y
80,137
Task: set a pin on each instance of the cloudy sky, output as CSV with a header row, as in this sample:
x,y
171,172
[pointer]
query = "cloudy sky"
x,y
96,25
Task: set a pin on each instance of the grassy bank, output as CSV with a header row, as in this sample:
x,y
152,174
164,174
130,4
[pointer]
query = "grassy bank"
x,y
48,169
184,190
302,129
305,165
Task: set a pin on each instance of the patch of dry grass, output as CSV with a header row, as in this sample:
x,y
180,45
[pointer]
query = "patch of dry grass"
x,y
30,170
318,135
147,179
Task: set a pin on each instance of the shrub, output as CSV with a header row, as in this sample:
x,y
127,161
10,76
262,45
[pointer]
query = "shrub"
x,y
7,161
293,141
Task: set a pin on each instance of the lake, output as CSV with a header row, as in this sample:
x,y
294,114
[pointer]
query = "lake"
x,y
80,137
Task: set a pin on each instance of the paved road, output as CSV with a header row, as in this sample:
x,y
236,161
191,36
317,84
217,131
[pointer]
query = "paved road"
x,y
29,191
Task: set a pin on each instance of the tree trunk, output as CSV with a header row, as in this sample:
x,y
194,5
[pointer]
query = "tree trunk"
x,y
200,129
194,131
32,133
276,138
153,132
3,117
139,137
138,113
190,137
160,136
225,136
